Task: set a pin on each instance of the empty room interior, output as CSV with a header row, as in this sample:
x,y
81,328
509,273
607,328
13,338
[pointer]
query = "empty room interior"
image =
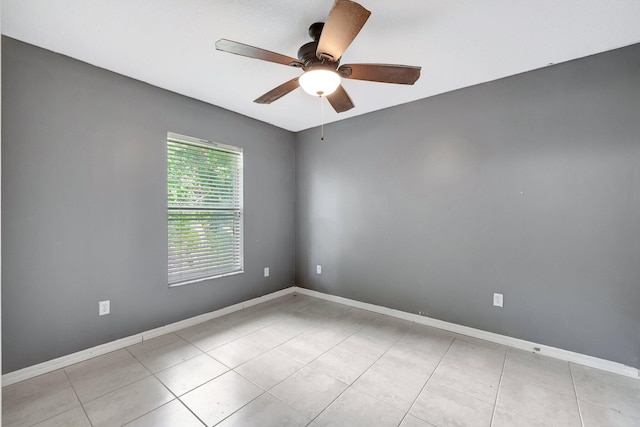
x,y
449,240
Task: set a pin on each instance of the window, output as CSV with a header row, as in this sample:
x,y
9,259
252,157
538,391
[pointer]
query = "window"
x,y
204,187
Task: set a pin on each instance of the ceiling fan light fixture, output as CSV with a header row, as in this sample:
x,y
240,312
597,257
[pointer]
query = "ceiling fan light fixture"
x,y
319,82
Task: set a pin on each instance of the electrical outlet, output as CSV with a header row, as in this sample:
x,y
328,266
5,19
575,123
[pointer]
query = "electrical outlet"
x,y
497,300
422,313
318,269
104,307
266,272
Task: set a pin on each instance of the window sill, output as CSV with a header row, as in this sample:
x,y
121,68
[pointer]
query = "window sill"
x,y
188,282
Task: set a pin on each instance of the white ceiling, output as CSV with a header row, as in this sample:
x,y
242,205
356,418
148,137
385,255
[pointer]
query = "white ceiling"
x,y
170,44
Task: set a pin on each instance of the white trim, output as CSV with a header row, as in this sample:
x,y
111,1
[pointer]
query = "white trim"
x,y
64,361
202,279
569,356
557,353
214,314
82,355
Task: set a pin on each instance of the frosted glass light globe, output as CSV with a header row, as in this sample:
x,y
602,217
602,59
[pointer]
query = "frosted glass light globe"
x,y
319,82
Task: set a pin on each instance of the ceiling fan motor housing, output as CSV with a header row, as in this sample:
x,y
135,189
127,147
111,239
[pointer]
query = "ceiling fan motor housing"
x,y
307,53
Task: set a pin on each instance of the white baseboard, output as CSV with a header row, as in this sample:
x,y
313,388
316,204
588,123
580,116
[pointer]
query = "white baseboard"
x,y
557,353
569,356
80,356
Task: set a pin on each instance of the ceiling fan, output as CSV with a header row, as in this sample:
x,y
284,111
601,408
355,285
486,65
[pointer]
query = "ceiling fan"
x,y
320,59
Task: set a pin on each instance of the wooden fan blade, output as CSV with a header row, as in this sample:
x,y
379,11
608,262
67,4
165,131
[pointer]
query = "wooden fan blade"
x,y
340,100
256,53
279,92
343,25
384,73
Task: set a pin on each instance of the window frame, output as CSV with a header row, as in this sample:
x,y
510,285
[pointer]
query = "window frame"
x,y
215,146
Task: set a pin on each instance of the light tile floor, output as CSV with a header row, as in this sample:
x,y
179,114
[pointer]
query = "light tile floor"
x,y
299,361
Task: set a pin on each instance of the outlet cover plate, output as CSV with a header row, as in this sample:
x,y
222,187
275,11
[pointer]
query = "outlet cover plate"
x,y
104,307
498,300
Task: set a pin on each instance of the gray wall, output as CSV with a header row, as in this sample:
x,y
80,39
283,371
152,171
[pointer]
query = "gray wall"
x,y
84,205
528,186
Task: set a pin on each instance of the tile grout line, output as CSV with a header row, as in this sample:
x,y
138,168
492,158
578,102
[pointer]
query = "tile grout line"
x,y
174,395
382,355
230,369
243,335
115,389
165,404
427,382
178,398
181,338
315,326
325,352
189,391
292,408
78,397
495,404
171,366
311,420
305,365
248,335
151,374
257,385
279,382
365,371
120,388
575,391
151,349
234,412
230,327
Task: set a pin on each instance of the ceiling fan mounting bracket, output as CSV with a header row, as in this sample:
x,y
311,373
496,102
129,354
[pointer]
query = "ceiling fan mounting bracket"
x,y
315,30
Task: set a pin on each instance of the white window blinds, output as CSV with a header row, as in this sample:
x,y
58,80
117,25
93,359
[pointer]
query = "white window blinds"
x,y
204,183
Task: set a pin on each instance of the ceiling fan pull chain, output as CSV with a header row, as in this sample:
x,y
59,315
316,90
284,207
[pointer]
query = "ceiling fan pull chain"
x,y
322,117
